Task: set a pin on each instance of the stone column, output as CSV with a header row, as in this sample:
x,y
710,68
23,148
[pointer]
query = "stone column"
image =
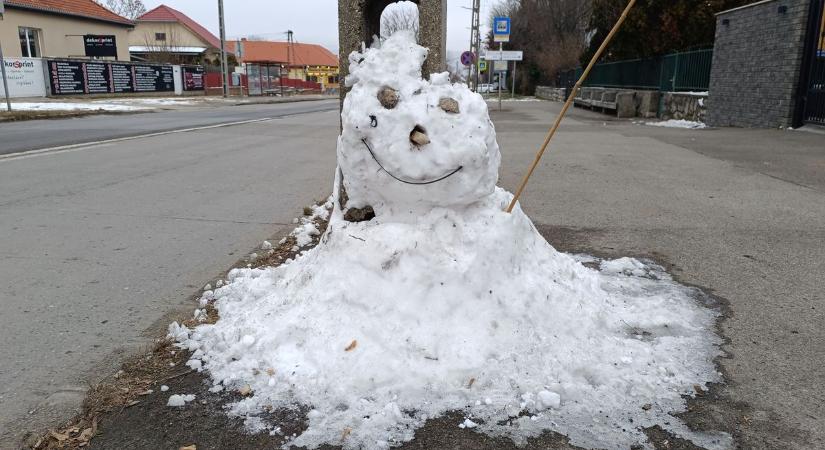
x,y
360,20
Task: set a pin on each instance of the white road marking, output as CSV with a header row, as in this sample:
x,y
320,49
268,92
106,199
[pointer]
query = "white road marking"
x,y
102,143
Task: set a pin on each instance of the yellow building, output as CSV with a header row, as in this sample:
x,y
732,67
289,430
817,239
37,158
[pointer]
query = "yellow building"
x,y
56,28
167,35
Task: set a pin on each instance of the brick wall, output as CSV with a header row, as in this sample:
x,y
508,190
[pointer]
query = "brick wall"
x,y
757,60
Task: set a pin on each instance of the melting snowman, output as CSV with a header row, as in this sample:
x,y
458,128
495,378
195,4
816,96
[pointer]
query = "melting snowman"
x,y
444,302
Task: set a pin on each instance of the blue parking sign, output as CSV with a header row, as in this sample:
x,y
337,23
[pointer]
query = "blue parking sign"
x,y
501,25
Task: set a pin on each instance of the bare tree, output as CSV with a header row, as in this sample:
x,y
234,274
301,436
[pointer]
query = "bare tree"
x,y
130,9
399,16
162,51
552,33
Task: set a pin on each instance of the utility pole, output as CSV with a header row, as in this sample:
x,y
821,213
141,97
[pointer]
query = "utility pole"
x,y
3,64
290,52
224,62
475,45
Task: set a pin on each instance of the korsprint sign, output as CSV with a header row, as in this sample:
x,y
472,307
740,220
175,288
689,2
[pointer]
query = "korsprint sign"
x,y
25,77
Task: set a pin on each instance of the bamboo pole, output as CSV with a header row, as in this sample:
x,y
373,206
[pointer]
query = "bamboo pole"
x,y
569,102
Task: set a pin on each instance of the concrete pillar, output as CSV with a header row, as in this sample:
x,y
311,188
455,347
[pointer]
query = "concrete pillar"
x,y
360,20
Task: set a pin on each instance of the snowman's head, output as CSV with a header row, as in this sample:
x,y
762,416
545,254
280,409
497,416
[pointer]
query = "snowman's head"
x,y
407,143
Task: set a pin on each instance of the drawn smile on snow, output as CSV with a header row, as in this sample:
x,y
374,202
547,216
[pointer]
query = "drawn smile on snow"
x,y
416,182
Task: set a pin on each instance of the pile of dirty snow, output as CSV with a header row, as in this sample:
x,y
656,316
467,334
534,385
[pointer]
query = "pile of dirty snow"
x,y
444,302
673,123
72,106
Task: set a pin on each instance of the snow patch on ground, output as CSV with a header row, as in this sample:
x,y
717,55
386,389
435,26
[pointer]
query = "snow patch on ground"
x,y
305,232
673,123
177,401
164,101
70,106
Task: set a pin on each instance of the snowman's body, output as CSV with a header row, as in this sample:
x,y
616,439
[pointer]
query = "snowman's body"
x,y
444,301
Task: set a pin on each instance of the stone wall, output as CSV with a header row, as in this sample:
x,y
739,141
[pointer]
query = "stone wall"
x,y
683,106
757,59
626,103
551,93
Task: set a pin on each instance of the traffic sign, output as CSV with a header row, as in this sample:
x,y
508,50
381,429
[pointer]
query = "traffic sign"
x,y
482,66
501,29
505,55
468,58
500,66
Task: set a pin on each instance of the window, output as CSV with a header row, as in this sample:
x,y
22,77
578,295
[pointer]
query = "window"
x,y
160,37
29,42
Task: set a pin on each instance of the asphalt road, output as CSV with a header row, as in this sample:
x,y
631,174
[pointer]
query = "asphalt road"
x,y
100,243
39,134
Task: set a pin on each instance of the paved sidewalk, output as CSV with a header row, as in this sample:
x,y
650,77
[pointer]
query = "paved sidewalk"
x,y
738,212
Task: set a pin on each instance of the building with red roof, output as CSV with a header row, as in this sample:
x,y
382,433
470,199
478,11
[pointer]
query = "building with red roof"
x,y
55,28
306,62
167,35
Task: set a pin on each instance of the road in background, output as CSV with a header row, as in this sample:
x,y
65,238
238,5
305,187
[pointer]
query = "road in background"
x,y
38,134
101,245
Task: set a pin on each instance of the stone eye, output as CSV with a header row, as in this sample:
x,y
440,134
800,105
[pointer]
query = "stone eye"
x,y
388,97
449,105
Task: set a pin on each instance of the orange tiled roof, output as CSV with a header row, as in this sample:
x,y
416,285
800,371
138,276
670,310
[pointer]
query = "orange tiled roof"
x,y
164,13
81,8
276,52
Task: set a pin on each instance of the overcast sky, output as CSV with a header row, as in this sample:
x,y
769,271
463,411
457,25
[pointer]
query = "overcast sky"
x,y
313,21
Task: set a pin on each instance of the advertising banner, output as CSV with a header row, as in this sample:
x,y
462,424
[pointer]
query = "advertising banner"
x,y
25,77
68,77
154,78
193,78
100,45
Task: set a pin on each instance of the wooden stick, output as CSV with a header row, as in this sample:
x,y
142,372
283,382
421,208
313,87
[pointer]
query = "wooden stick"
x,y
569,102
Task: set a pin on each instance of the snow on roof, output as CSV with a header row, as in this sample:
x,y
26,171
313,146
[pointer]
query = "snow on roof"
x,y
81,8
164,13
271,51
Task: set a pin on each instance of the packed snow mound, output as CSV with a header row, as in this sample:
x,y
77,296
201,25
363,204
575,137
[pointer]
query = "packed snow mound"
x,y
465,310
375,149
445,302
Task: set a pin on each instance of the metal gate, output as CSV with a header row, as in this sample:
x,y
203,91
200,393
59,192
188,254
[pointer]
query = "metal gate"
x,y
814,100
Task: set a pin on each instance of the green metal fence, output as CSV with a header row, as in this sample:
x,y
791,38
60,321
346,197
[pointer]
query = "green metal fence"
x,y
684,71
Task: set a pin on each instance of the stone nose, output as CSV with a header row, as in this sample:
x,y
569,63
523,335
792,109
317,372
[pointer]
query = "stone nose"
x,y
418,136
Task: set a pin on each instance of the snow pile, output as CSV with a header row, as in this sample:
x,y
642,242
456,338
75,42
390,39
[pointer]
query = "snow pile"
x,y
162,101
307,229
673,123
177,401
445,302
68,106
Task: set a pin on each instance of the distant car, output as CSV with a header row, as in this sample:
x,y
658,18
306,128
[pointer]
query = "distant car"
x,y
487,88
